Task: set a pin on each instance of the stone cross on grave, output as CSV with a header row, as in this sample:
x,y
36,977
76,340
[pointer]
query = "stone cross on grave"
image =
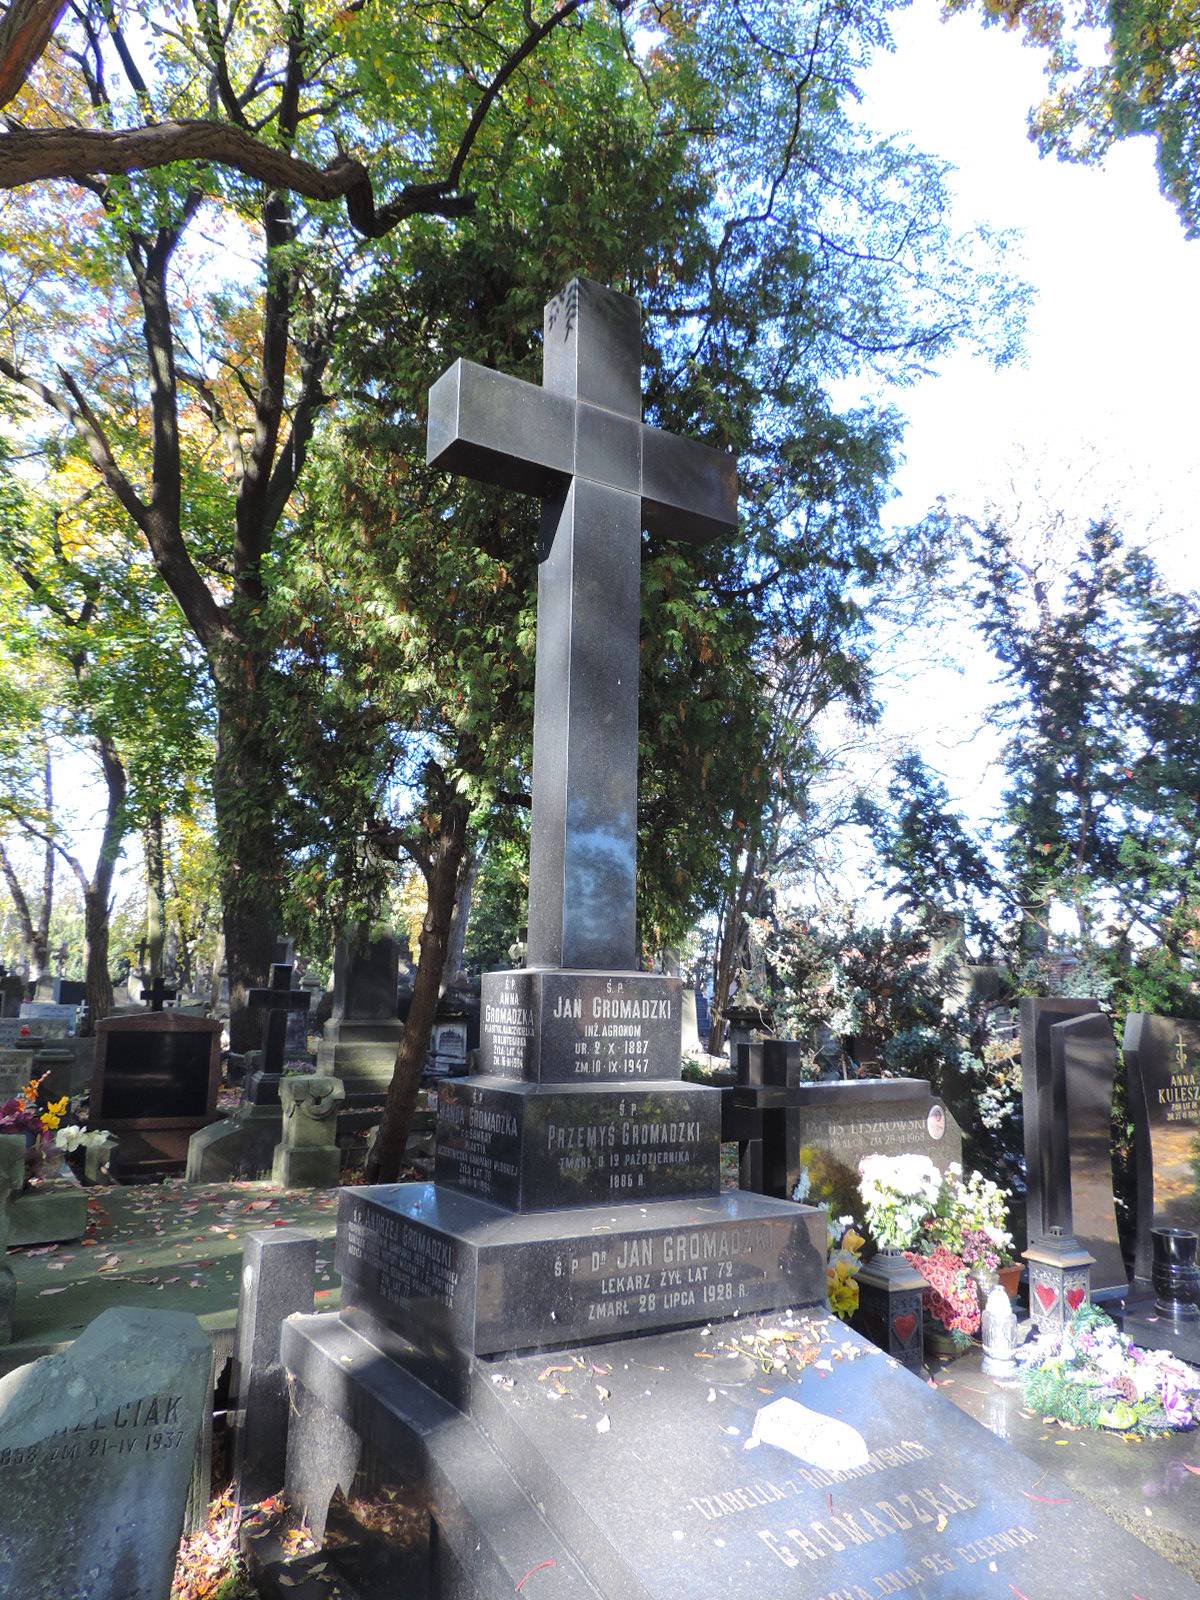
x,y
157,993
277,1001
603,475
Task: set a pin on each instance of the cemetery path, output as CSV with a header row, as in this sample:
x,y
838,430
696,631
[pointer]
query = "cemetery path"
x,y
1149,1487
171,1246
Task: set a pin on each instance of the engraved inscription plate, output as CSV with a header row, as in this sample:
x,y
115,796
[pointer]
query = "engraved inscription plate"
x,y
436,1266
528,1147
789,1458
580,1027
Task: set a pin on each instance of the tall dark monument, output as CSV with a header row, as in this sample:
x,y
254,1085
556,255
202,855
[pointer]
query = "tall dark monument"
x,y
564,1346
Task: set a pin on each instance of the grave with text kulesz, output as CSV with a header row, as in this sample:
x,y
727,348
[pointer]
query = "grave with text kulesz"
x,y
564,1348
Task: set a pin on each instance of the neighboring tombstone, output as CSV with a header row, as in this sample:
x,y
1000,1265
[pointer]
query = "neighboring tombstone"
x,y
279,1270
761,1115
308,1157
154,1083
276,1003
16,1069
837,1124
97,1446
363,1034
46,1013
1044,1104
1084,1053
12,993
159,992
447,1056
71,992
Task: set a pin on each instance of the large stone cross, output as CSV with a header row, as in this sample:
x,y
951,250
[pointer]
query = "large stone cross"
x,y
580,444
277,1001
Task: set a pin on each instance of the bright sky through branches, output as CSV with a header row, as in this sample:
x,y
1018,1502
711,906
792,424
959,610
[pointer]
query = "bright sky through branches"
x,y
1103,410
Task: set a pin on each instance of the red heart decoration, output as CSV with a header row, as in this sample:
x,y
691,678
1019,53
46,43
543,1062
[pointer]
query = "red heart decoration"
x,y
904,1327
1075,1298
1046,1295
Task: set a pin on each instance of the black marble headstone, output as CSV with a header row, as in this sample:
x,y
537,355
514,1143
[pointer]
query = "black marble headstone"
x,y
1162,1058
1044,1103
1084,1054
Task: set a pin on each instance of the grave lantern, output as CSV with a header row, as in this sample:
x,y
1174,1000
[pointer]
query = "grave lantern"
x,y
1060,1279
890,1307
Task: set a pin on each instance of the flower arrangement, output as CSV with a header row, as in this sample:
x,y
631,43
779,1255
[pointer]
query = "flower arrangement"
x,y
299,1068
22,1114
969,1217
841,1270
950,1297
73,1138
1093,1376
899,1192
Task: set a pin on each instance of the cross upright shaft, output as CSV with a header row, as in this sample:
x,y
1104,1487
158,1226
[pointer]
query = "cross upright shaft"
x,y
580,444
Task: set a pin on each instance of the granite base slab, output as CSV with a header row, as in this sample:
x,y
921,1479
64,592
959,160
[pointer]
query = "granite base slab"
x,y
685,1464
529,1146
446,1270
1146,1327
362,1054
50,1214
552,1026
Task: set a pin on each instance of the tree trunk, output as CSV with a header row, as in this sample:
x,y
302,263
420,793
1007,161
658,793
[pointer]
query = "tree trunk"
x,y
97,895
39,947
729,944
462,915
442,882
247,782
156,894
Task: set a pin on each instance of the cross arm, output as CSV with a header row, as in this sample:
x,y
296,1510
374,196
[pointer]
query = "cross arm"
x,y
689,490
500,430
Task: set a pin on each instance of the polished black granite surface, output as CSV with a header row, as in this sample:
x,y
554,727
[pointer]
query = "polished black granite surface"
x,y
580,1027
444,1269
528,1146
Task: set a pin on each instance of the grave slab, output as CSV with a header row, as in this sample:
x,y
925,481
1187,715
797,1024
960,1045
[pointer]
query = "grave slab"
x,y
689,1463
96,1452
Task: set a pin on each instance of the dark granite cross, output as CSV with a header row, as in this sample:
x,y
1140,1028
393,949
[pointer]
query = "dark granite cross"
x,y
157,993
603,475
277,1001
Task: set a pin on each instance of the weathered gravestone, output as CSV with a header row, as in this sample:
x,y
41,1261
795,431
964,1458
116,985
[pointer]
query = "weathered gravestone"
x,y
154,1083
15,1029
1044,1105
1084,1056
45,1014
16,1069
839,1123
360,1040
613,1398
97,1447
1162,1058
242,1145
308,1156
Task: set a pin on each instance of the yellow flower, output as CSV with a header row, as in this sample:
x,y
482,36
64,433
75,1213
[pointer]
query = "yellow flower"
x,y
53,1114
852,1241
